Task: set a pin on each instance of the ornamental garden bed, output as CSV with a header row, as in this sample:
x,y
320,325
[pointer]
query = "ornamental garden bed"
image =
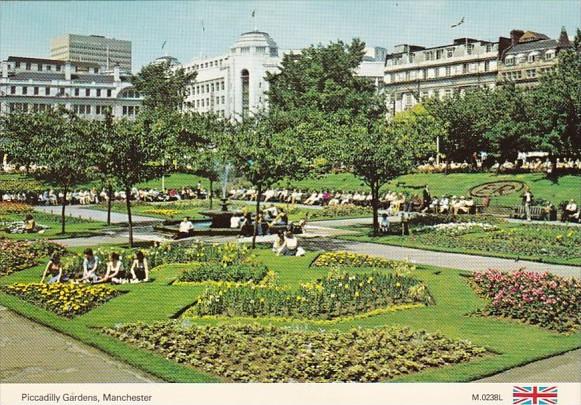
x,y
236,273
254,353
348,259
17,255
542,299
64,299
337,295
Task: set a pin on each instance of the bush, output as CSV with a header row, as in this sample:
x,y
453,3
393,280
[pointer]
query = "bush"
x,y
347,259
341,211
254,353
542,299
218,272
19,255
65,299
8,208
339,294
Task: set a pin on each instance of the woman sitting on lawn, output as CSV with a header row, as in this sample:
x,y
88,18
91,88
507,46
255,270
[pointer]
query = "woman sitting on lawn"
x,y
54,270
29,224
278,244
115,271
139,268
90,265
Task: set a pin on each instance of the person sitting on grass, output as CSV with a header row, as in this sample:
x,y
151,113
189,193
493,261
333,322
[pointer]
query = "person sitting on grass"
x,y
115,271
290,245
29,224
278,244
384,224
139,268
54,270
186,228
90,265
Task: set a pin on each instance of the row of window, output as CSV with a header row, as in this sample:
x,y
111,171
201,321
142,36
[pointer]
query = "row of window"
x,y
532,57
206,102
205,65
442,71
409,99
48,68
208,88
60,91
81,109
435,54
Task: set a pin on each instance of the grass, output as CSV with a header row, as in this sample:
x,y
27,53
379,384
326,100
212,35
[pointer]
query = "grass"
x,y
526,239
454,299
74,227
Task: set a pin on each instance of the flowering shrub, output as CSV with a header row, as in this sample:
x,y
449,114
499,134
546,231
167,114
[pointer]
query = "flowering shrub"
x,y
18,255
65,299
350,210
339,294
162,212
211,271
255,353
541,299
7,208
457,228
348,259
435,219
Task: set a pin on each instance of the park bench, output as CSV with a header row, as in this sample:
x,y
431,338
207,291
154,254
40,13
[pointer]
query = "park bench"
x,y
537,212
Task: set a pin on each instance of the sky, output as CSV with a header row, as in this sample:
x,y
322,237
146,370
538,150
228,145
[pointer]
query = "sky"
x,y
26,28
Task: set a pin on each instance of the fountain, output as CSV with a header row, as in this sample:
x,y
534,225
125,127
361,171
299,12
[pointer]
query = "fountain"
x,y
221,218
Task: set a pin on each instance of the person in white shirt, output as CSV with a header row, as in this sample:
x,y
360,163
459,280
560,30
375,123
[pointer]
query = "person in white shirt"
x,y
570,210
235,221
384,224
186,228
290,245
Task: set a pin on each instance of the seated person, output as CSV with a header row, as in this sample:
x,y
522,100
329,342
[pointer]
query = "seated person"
x,y
281,218
444,205
90,266
139,268
235,220
278,244
186,228
54,270
570,210
290,246
115,271
384,224
29,224
246,225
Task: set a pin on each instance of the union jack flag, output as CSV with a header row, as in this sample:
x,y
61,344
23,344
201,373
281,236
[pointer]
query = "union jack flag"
x,y
534,395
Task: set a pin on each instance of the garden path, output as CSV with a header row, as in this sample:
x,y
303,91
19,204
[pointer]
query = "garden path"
x,y
96,215
32,353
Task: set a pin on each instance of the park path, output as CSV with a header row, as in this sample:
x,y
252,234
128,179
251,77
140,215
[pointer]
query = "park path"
x,y
32,353
81,211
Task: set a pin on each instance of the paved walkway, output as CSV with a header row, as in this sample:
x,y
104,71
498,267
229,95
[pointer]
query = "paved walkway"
x,y
81,211
563,368
32,353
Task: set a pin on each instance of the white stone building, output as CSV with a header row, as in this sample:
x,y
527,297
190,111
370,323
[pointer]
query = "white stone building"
x,y
35,84
414,72
233,84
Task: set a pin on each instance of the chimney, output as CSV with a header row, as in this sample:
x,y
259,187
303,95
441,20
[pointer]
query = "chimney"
x,y
515,36
116,73
4,69
68,69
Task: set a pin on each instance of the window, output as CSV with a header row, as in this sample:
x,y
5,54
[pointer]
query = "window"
x,y
212,87
49,67
412,57
465,68
58,68
245,78
486,66
245,49
448,70
47,91
222,85
531,73
533,57
488,47
39,67
202,102
28,66
17,65
223,100
207,88
260,49
87,92
430,55
439,53
217,100
24,90
36,91
13,90
98,92
108,92
469,49
549,55
76,92
509,61
450,52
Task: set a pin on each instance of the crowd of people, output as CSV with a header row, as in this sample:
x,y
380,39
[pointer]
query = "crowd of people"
x,y
270,221
92,271
286,244
522,164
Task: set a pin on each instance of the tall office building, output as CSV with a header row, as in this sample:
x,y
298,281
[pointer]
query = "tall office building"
x,y
106,52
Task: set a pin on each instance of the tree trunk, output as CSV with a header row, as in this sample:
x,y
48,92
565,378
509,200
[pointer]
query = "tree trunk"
x,y
210,193
129,220
63,210
447,166
109,203
258,196
375,206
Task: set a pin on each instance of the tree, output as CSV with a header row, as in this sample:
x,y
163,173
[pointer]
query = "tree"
x,y
136,152
378,151
264,156
18,131
57,145
163,87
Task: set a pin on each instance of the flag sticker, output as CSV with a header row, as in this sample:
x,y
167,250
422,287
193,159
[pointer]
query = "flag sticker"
x,y
534,395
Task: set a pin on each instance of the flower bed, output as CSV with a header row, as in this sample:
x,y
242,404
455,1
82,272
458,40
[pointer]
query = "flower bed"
x,y
339,294
348,259
8,208
18,255
256,353
218,272
162,212
334,211
65,299
457,228
542,299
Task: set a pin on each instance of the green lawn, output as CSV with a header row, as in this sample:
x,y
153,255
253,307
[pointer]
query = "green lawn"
x,y
74,227
453,296
559,244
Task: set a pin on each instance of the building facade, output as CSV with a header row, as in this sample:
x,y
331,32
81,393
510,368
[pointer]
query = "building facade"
x,y
107,52
529,55
413,72
34,84
233,85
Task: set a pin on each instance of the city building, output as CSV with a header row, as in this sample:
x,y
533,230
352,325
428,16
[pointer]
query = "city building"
x,y
528,55
413,72
106,52
233,84
35,84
